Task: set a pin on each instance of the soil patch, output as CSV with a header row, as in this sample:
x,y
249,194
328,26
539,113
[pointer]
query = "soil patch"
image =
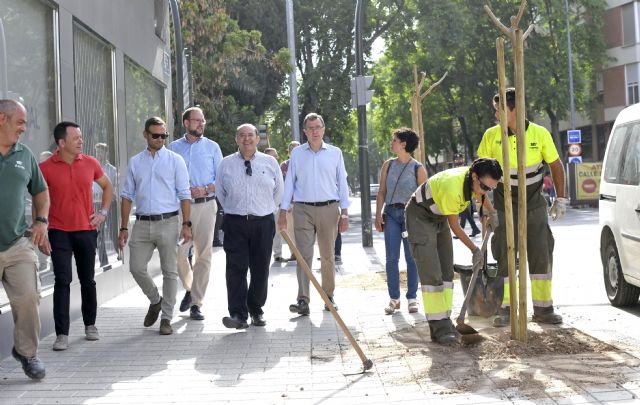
x,y
370,280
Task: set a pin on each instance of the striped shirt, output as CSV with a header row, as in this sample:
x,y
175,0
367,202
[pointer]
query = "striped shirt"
x,y
242,194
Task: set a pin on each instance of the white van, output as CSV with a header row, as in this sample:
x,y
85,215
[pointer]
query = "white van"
x,y
620,210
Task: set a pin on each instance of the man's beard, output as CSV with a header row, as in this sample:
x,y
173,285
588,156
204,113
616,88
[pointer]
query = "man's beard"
x,y
195,133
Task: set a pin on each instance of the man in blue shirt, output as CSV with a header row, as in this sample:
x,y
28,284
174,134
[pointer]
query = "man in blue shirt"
x,y
316,182
158,182
202,156
250,188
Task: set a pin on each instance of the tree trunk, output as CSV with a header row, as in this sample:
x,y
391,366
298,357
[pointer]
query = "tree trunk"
x,y
465,136
555,133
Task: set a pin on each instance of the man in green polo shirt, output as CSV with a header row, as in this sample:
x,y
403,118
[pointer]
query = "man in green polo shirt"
x,y
431,215
18,261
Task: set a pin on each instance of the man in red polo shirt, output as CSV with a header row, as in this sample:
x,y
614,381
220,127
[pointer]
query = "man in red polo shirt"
x,y
72,226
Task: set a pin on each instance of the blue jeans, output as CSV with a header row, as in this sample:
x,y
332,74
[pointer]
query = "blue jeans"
x,y
393,228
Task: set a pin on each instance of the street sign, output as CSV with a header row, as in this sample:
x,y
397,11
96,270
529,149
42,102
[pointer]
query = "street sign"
x,y
574,136
575,150
360,93
575,159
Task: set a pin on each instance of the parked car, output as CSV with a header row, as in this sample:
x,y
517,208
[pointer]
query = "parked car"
x,y
620,210
373,190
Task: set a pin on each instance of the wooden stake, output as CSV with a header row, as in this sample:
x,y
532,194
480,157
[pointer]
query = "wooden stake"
x,y
508,203
416,110
518,51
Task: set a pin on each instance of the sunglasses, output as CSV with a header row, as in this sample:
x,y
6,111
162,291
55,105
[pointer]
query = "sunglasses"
x,y
156,136
247,165
484,186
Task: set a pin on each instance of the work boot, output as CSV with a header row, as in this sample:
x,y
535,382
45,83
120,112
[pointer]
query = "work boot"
x,y
301,307
32,366
546,315
443,332
502,319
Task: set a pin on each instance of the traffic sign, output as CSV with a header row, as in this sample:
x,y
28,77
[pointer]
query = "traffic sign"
x,y
575,159
575,150
574,136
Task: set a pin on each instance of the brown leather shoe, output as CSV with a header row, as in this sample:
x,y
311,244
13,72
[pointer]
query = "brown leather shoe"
x,y
152,313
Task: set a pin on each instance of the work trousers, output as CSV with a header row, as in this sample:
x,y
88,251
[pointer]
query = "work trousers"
x,y
21,282
247,245
540,245
196,278
432,250
81,245
146,236
322,221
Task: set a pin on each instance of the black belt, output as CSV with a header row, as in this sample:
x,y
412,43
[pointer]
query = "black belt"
x,y
396,205
158,217
318,204
250,217
202,200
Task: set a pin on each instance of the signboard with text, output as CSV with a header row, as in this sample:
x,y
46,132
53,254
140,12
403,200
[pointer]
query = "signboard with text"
x,y
574,136
586,182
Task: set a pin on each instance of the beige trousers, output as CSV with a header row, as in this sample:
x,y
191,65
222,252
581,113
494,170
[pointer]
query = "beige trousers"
x,y
278,240
309,221
19,275
196,278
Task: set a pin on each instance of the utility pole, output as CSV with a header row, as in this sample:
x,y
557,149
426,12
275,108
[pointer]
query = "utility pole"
x,y
293,81
363,147
573,108
177,32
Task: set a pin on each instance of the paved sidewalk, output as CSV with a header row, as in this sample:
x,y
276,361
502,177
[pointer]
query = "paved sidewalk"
x,y
307,360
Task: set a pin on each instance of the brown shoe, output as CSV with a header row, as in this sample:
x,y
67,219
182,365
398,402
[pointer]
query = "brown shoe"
x,y
152,313
165,327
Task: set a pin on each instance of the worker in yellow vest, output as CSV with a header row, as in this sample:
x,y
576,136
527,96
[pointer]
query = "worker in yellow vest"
x,y
540,149
430,216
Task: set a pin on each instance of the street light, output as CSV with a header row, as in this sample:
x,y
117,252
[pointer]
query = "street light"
x,y
293,82
573,108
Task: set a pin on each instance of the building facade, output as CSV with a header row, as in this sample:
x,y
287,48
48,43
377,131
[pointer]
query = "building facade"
x,y
105,65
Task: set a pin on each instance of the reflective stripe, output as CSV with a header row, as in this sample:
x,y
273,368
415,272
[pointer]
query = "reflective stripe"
x,y
432,288
546,276
541,289
438,317
533,175
542,303
423,196
438,301
506,296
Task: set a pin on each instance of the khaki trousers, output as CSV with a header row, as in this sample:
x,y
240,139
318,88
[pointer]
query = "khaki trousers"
x,y
196,278
309,221
19,275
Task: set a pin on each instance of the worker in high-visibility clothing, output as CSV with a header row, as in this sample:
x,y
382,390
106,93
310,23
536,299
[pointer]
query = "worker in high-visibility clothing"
x,y
540,149
430,216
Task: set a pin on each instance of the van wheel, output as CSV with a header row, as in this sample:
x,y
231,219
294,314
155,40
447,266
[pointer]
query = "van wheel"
x,y
619,292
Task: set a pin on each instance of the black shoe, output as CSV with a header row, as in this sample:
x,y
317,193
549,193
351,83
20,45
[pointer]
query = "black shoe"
x,y
455,237
233,322
301,308
503,317
32,366
443,332
196,314
474,233
152,313
258,320
338,259
186,301
280,259
217,243
546,315
326,308
291,259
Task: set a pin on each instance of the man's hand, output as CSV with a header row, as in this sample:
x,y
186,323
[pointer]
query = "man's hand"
x,y
38,233
559,208
198,192
492,220
282,221
379,223
477,257
122,238
185,234
343,225
97,218
45,247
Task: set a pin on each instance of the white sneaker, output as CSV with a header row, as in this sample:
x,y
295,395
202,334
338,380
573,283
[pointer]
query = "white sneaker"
x,y
413,305
91,333
61,343
391,308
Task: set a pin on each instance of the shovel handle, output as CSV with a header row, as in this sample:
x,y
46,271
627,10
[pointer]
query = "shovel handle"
x,y
474,277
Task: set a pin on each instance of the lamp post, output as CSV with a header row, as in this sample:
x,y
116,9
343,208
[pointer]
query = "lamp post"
x,y
177,32
573,108
293,82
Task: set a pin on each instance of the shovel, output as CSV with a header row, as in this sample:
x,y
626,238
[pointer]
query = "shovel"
x,y
469,334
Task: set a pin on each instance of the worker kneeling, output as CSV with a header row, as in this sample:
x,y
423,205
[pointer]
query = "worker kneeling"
x,y
431,214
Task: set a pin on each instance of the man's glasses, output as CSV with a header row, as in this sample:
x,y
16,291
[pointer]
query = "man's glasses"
x,y
198,120
484,186
247,165
156,136
312,129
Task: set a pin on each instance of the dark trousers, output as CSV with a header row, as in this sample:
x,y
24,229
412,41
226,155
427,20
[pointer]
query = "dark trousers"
x,y
82,246
247,245
467,215
338,248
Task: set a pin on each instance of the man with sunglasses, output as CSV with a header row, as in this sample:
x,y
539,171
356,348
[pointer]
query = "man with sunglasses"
x,y
249,187
202,156
540,149
158,181
431,214
316,182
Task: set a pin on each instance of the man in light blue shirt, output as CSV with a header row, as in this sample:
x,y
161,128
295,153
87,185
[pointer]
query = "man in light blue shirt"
x,y
202,156
316,182
158,182
249,187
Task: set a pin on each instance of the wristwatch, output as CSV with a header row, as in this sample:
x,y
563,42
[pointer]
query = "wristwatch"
x,y
43,220
187,223
104,213
344,216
